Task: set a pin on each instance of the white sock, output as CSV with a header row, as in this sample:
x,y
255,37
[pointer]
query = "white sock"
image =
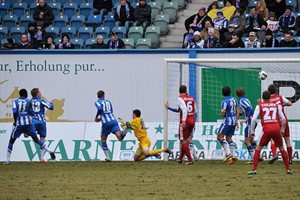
x,y
8,156
106,154
231,147
43,152
225,147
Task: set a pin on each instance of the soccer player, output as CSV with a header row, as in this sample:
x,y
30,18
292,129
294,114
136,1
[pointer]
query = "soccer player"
x,y
269,113
247,112
109,122
281,100
187,109
22,113
139,128
230,113
39,120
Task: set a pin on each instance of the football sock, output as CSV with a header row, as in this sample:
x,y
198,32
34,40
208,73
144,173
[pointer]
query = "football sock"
x,y
192,150
273,149
290,153
156,151
186,151
285,159
225,146
43,146
251,151
256,159
9,150
231,147
105,149
123,133
42,154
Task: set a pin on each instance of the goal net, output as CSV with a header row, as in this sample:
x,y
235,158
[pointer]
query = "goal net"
x,y
205,78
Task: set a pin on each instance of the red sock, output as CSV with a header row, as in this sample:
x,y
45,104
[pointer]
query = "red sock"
x,y
181,153
290,153
273,149
187,151
256,159
285,159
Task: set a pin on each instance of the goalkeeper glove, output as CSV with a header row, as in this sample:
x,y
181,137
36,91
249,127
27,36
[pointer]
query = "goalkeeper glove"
x,y
122,122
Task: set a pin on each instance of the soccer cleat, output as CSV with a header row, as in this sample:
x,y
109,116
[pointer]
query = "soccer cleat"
x,y
189,163
107,160
233,160
261,159
252,172
6,163
227,158
289,171
42,161
290,162
250,162
273,160
167,150
53,157
179,161
157,156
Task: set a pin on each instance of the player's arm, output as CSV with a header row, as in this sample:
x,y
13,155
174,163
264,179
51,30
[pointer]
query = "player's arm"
x,y
172,109
47,104
183,108
254,119
282,119
98,117
223,110
286,102
237,113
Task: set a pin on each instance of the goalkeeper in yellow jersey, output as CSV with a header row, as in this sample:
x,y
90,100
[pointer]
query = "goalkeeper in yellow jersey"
x,y
138,126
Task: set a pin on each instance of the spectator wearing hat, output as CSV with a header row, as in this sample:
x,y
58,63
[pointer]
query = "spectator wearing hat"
x,y
272,23
142,15
50,44
102,7
43,13
198,40
192,44
99,43
228,35
235,42
238,19
197,21
288,40
252,41
287,21
187,37
270,41
115,42
221,24
212,41
124,15
31,31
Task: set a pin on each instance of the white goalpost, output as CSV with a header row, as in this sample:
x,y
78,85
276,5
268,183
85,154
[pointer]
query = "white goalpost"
x,y
205,79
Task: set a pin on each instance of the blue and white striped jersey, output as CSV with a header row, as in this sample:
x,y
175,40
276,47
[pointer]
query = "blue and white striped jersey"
x,y
229,104
246,109
21,109
38,107
105,110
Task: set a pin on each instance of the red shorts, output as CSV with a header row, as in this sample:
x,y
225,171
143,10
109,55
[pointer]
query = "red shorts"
x,y
185,134
267,136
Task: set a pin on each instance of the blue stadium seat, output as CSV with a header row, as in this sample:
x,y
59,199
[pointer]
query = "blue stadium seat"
x,y
109,21
53,31
93,21
85,33
19,9
25,20
3,41
28,1
77,1
60,21
89,42
62,2
3,32
121,30
78,43
297,38
292,4
77,21
15,32
56,7
143,43
85,9
155,9
135,33
32,7
104,31
57,40
129,43
163,22
4,7
10,21
70,31
70,9
153,32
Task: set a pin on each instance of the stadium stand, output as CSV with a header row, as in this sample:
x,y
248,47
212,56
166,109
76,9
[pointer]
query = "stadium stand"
x,y
109,21
85,33
171,9
60,21
69,9
53,31
143,43
153,32
78,43
10,21
19,9
104,31
89,42
121,30
3,32
70,31
155,9
4,7
77,21
162,21
15,32
25,20
135,33
85,9
129,43
56,7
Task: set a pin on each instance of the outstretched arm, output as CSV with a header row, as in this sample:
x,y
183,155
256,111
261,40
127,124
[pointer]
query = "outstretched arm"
x,y
172,109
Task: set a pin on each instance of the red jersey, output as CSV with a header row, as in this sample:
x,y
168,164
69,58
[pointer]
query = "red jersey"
x,y
269,116
186,104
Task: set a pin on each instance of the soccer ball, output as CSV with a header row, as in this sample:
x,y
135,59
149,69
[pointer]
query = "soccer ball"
x,y
262,75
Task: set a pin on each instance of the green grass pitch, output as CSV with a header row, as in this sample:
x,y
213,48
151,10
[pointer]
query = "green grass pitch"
x,y
147,180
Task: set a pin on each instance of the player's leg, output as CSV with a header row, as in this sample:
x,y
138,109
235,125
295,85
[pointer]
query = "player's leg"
x,y
278,142
16,132
41,130
139,153
288,143
116,130
223,142
248,142
231,148
104,146
274,152
185,143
